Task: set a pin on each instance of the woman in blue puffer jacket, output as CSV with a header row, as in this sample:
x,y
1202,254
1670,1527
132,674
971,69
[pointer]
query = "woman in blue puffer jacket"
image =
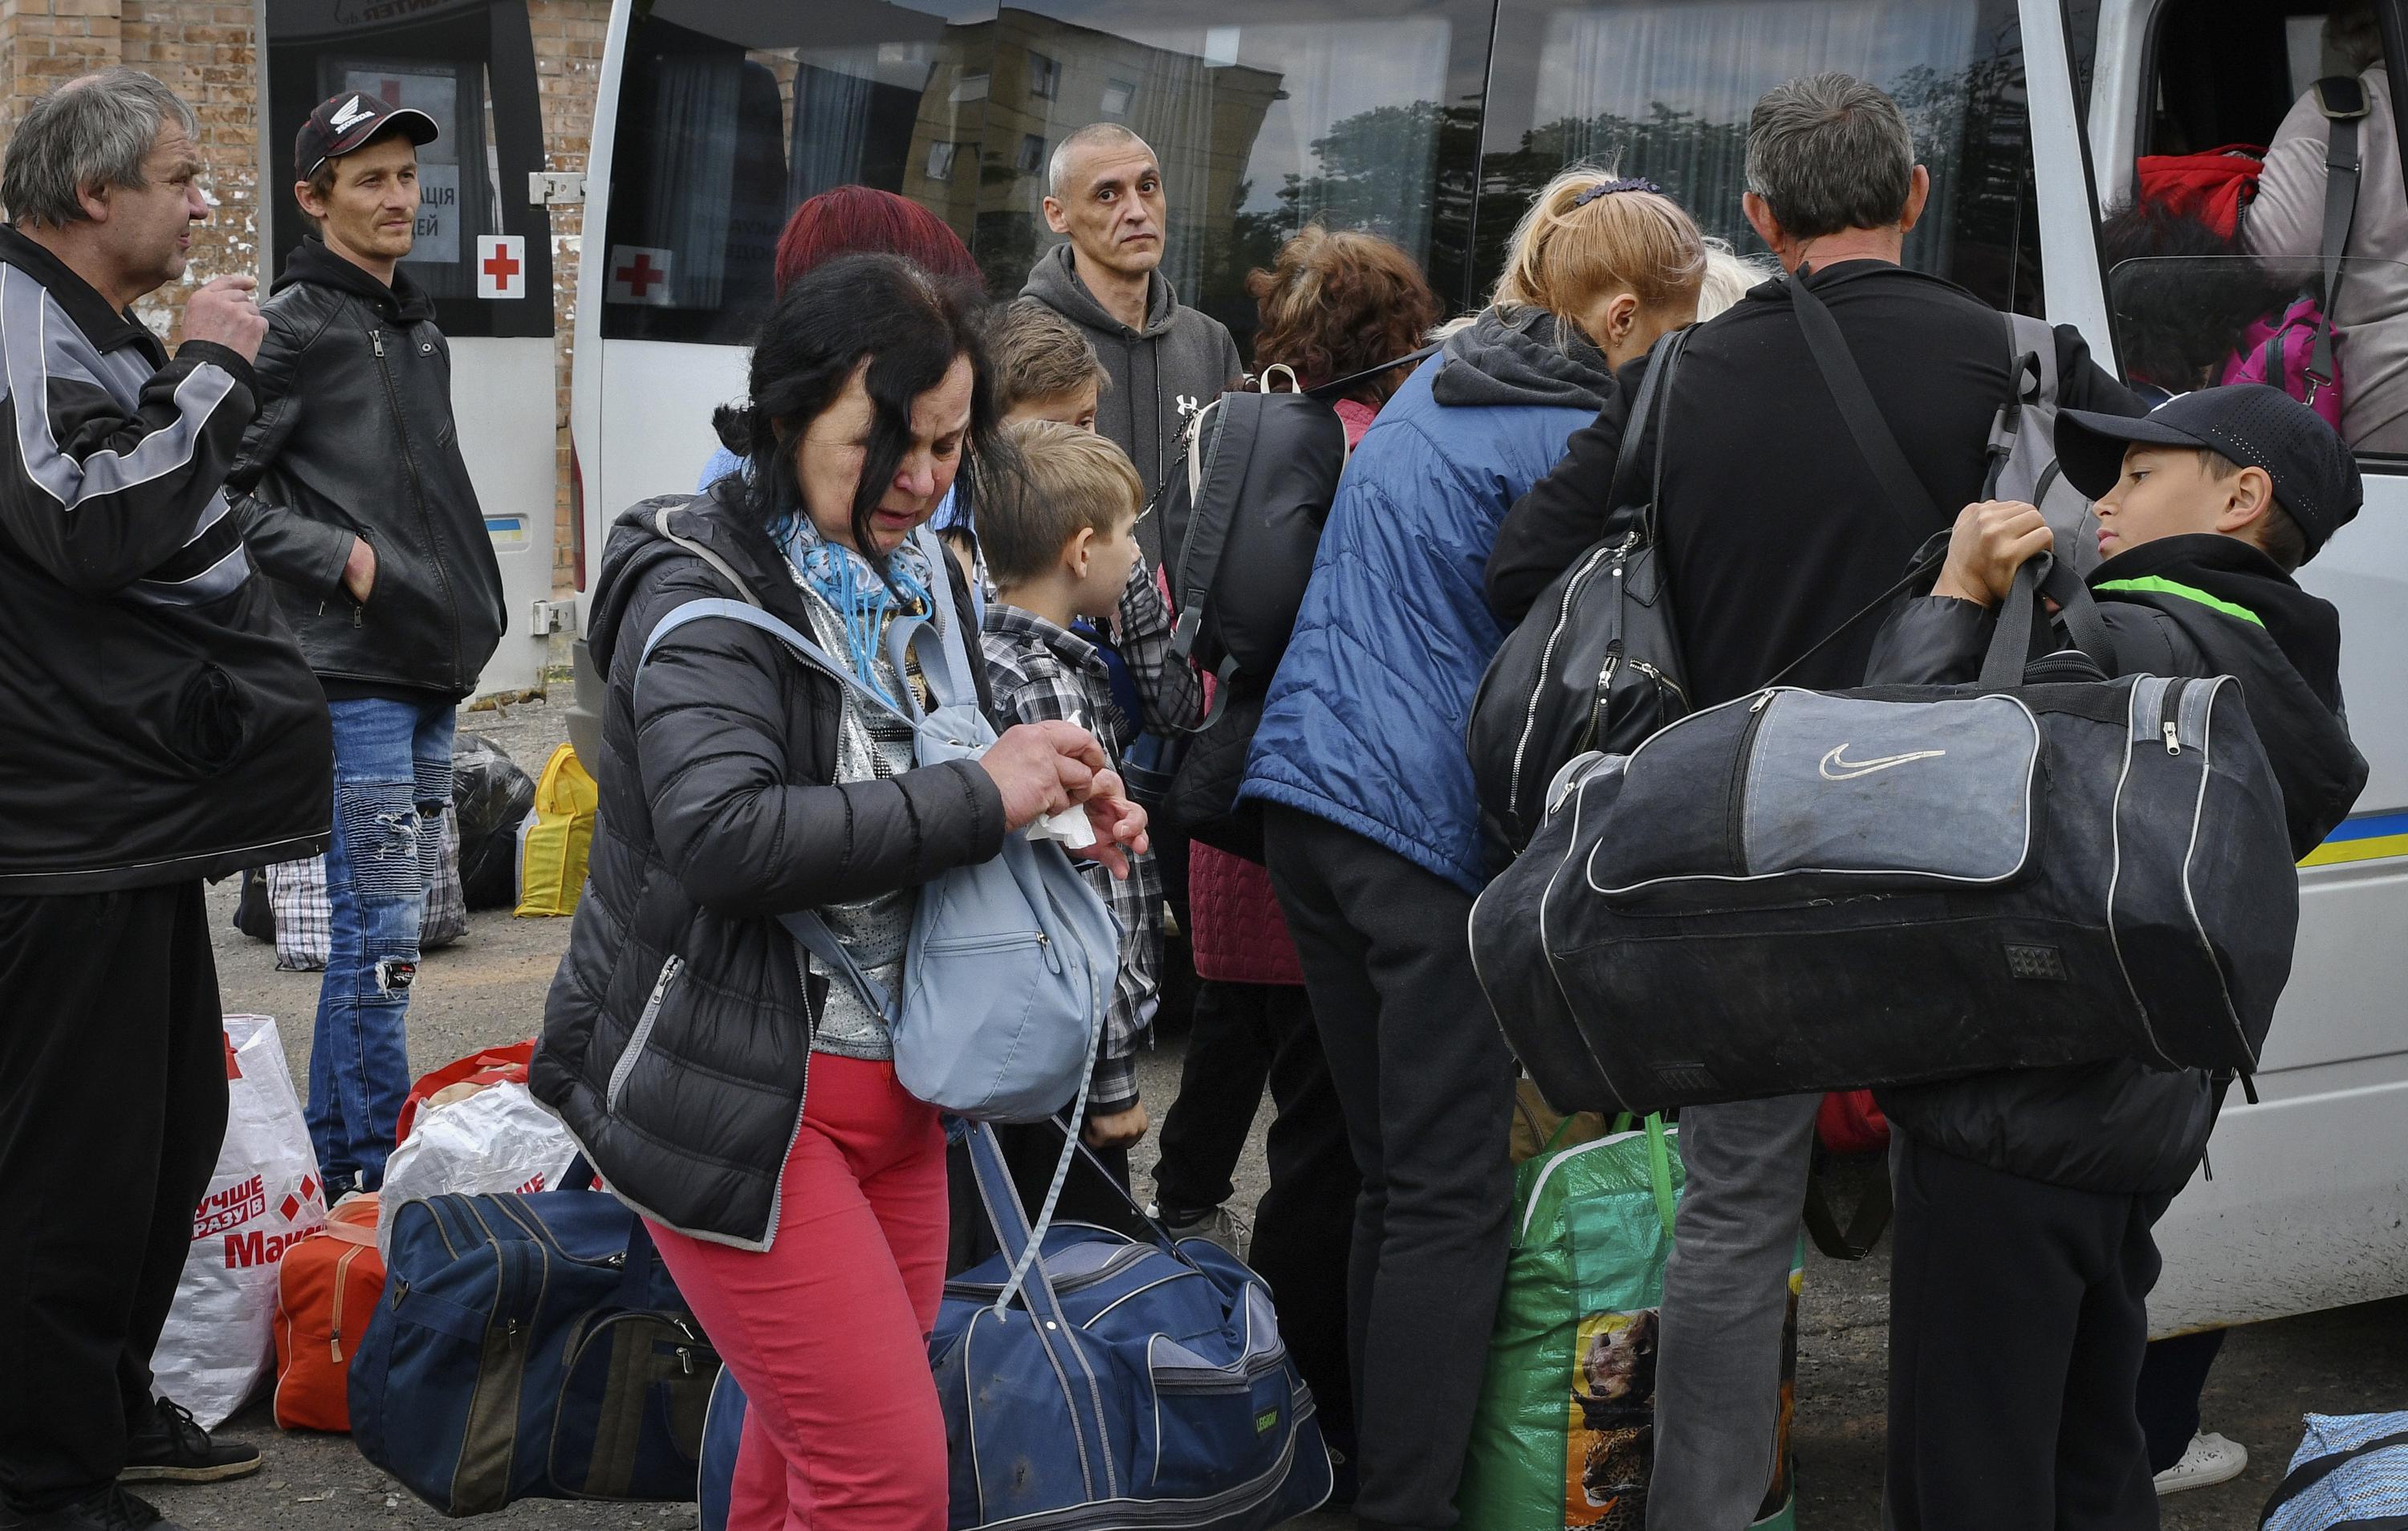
x,y
1372,832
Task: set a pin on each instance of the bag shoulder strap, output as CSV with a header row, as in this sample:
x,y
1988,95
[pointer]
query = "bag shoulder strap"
x,y
1905,492
1336,387
1201,547
808,930
1654,382
2343,100
662,523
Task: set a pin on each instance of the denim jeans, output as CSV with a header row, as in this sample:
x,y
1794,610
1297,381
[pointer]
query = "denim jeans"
x,y
393,774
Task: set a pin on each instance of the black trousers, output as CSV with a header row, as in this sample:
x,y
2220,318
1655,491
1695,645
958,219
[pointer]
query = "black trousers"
x,y
2019,1316
112,1105
1304,1225
1220,1084
1425,1084
2172,1379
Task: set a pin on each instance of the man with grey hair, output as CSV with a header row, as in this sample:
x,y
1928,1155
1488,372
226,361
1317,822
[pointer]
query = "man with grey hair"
x,y
1776,529
163,730
1104,195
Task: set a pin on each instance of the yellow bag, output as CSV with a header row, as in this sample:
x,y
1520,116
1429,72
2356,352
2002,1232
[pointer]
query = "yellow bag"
x,y
553,866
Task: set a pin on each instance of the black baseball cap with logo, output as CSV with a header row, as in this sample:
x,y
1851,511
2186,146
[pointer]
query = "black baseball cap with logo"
x,y
2315,479
344,123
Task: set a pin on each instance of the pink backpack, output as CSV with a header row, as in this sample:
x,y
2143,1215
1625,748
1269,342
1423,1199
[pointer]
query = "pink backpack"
x,y
2275,349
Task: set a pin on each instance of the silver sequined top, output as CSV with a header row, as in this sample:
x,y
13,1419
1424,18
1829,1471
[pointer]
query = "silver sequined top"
x,y
871,746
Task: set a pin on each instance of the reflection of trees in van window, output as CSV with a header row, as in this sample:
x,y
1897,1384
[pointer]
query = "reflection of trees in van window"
x,y
1665,91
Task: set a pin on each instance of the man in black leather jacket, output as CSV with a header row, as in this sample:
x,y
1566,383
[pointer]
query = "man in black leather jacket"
x,y
353,497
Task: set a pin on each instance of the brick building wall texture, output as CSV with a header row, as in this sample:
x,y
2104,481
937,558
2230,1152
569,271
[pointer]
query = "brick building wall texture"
x,y
208,54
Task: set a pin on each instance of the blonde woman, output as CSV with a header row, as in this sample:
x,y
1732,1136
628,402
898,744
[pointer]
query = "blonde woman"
x,y
1373,833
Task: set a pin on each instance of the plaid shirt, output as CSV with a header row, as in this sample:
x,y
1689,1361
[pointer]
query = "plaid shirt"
x,y
1041,672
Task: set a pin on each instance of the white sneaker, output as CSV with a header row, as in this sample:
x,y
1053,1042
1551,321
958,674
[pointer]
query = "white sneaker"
x,y
1219,1226
2211,1460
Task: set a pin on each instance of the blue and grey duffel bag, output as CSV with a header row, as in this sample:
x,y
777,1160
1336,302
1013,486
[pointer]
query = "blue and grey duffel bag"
x,y
530,1346
2350,1470
1151,1387
1805,891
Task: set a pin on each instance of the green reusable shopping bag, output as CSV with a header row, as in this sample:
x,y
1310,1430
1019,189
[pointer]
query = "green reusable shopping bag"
x,y
1564,1434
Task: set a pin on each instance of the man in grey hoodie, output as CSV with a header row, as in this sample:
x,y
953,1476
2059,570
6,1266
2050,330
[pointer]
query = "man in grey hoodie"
x,y
1167,360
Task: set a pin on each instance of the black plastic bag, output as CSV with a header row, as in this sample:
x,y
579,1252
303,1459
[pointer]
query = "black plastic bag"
x,y
491,795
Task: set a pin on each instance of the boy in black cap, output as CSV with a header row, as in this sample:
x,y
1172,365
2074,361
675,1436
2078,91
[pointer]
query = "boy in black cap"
x,y
2025,1200
353,497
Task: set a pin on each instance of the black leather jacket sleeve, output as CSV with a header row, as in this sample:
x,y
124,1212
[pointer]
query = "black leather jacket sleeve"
x,y
306,554
734,815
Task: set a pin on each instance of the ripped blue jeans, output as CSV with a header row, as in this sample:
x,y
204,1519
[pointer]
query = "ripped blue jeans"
x,y
393,774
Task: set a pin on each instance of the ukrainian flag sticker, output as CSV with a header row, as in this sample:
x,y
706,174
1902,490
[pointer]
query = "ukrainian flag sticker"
x,y
2369,837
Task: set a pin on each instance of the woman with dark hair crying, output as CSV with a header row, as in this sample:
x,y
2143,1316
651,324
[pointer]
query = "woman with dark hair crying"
x,y
806,1227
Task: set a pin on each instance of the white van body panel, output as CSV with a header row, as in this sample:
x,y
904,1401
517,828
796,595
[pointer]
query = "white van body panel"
x,y
2302,1202
502,397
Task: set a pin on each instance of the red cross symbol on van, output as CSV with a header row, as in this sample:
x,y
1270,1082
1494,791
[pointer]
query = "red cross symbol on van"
x,y
501,265
640,274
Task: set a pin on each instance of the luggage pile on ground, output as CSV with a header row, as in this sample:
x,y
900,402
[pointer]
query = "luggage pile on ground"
x,y
491,802
264,1199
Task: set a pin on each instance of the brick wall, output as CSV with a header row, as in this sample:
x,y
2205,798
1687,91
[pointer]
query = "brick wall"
x,y
206,51
568,37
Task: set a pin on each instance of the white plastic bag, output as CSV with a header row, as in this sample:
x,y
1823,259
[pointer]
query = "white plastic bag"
x,y
497,1139
218,1346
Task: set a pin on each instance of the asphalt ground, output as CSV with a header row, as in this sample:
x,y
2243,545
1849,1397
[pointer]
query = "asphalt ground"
x,y
489,988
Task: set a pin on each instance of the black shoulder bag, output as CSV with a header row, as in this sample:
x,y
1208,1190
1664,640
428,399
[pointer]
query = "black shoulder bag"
x,y
1597,664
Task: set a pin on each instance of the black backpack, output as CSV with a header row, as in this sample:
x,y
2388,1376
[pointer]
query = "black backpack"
x,y
1241,523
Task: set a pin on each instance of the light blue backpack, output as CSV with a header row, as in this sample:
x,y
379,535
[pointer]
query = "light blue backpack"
x,y
2350,1470
1012,961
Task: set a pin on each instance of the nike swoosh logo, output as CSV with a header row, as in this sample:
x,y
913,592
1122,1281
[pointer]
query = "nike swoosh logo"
x,y
1836,767
353,113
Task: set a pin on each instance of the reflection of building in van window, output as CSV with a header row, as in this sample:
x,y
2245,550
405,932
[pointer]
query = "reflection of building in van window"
x,y
1325,110
1050,78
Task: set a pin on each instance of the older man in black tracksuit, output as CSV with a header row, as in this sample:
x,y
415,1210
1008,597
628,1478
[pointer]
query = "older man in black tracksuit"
x,y
353,496
160,729
1776,530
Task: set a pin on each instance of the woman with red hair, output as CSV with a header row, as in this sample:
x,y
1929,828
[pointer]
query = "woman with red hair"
x,y
863,220
860,221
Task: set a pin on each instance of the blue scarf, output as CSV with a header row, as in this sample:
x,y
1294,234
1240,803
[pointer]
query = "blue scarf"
x,y
851,584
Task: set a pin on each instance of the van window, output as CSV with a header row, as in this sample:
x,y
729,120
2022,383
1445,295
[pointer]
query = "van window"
x,y
1266,115
2225,238
1663,90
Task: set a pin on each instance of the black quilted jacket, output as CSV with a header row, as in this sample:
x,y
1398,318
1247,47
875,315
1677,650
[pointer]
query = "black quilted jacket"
x,y
676,1036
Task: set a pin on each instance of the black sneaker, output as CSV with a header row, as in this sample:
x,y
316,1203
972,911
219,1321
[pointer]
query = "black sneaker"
x,y
111,1510
172,1447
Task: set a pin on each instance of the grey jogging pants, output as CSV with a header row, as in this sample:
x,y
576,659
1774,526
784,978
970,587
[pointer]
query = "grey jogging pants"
x,y
1726,1297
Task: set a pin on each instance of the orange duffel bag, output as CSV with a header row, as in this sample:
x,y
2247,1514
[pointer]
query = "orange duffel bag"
x,y
325,1293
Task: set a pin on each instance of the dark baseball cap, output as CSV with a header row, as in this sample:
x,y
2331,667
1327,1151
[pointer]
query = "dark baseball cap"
x,y
2316,478
343,123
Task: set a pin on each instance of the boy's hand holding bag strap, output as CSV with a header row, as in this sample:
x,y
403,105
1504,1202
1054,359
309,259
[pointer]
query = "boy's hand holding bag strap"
x,y
1011,961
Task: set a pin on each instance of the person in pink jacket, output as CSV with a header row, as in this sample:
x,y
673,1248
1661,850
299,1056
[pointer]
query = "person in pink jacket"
x,y
2285,221
1331,304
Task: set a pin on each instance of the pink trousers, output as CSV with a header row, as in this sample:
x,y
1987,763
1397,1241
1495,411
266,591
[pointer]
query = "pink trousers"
x,y
827,1329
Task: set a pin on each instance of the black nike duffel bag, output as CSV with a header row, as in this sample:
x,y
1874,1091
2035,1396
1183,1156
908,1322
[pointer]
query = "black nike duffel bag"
x,y
1805,891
